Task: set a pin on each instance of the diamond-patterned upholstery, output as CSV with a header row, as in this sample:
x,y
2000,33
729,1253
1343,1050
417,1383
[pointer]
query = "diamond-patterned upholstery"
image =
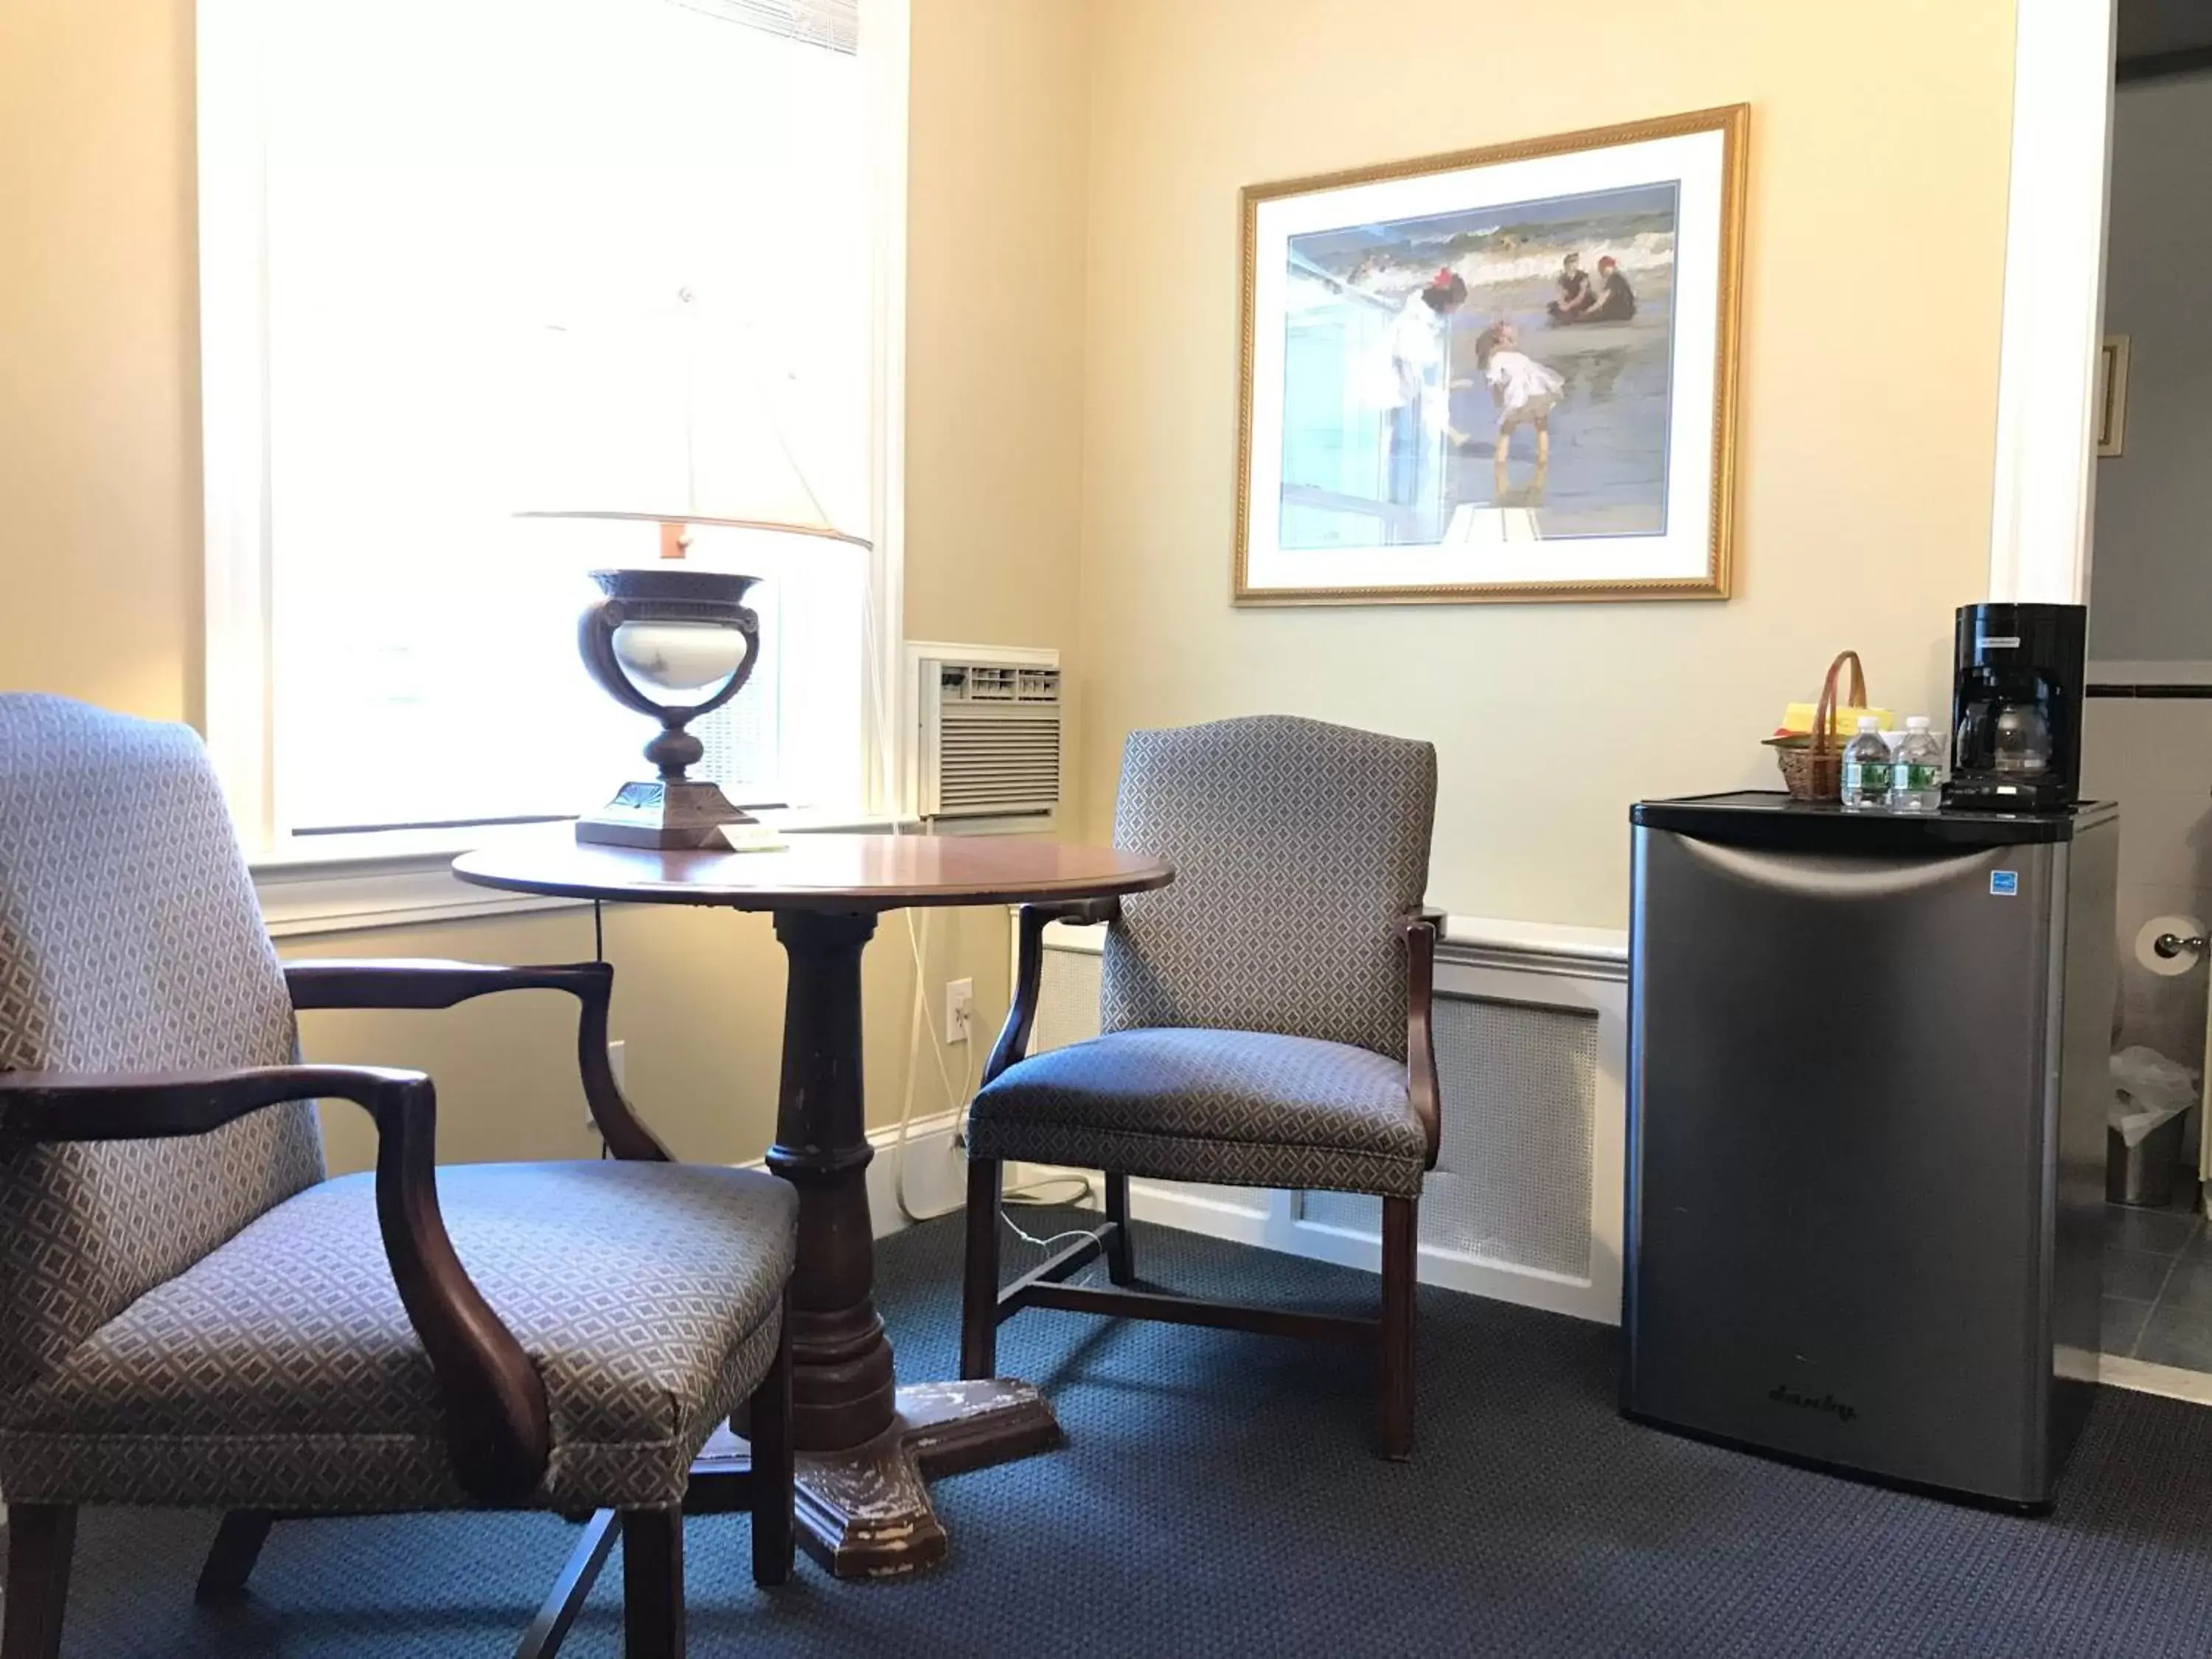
x,y
1245,1108
1297,847
1253,1011
281,1370
204,1320
129,940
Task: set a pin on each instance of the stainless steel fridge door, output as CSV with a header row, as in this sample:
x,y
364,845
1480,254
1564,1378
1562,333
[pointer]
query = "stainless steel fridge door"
x,y
1840,1148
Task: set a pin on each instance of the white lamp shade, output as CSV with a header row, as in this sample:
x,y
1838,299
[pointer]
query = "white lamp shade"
x,y
667,418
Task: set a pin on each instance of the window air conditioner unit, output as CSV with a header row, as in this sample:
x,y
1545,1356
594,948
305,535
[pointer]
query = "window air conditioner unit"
x,y
989,738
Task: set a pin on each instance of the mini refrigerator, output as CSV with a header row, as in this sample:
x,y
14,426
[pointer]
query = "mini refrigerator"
x,y
1868,1073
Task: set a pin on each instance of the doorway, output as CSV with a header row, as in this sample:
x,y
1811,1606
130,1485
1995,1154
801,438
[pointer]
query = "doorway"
x,y
2147,729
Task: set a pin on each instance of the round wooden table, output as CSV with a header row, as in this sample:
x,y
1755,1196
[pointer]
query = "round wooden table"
x,y
865,1444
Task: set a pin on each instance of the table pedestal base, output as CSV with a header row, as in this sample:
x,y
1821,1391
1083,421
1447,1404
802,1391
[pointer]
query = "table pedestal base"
x,y
864,1513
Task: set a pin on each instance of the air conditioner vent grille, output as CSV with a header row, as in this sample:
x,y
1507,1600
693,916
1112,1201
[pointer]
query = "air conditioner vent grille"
x,y
991,739
1004,765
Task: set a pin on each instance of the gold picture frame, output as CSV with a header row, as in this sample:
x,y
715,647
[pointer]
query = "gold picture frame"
x,y
1329,213
2112,396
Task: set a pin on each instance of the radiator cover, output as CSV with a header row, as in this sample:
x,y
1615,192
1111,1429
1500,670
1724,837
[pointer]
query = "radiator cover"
x,y
1524,1203
1512,1180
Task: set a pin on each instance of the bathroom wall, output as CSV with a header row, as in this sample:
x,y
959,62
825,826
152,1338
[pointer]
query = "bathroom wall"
x,y
2152,587
2150,615
2154,755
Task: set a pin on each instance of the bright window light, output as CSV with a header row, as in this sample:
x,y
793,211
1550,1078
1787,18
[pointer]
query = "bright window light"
x,y
457,191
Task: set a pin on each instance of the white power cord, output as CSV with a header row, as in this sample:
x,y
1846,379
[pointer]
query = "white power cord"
x,y
1047,1242
957,1100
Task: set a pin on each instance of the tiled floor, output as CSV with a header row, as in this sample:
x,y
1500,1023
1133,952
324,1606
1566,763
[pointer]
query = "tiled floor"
x,y
2158,1284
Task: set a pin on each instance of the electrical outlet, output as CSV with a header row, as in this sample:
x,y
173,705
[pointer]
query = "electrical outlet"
x,y
959,1010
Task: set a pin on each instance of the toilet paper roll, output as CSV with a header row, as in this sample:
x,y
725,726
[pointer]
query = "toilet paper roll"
x,y
2180,928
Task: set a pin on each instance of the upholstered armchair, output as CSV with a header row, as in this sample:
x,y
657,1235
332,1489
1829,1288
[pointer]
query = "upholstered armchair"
x,y
191,1314
1265,1022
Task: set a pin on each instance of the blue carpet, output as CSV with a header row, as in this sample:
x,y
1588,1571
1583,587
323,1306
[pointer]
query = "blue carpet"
x,y
1216,1496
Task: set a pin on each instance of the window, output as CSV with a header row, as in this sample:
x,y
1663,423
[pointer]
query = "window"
x,y
456,253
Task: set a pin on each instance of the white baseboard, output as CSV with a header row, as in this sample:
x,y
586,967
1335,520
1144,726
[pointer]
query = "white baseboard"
x,y
2143,1377
937,1184
935,1172
938,1166
1265,1221
931,1168
1194,1212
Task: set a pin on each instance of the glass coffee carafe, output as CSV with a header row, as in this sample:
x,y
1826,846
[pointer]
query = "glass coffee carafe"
x,y
2022,740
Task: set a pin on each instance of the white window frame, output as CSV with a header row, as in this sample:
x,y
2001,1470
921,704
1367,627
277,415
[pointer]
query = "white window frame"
x,y
393,877
2043,506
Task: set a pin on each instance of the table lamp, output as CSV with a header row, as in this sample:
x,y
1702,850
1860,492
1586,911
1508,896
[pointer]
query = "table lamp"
x,y
692,441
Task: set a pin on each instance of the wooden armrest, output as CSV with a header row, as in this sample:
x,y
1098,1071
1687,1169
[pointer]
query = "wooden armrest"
x,y
1028,968
40,1106
418,983
1080,913
1420,930
426,982
497,1430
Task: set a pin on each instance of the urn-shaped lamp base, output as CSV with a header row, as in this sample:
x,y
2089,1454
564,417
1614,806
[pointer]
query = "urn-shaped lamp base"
x,y
689,812
681,630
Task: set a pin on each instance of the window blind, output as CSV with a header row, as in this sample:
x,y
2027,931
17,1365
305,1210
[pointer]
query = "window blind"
x,y
835,24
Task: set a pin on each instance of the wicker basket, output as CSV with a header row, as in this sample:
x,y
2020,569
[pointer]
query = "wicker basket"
x,y
1814,770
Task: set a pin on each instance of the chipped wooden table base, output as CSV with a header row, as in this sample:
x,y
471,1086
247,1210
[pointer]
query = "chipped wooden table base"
x,y
866,1513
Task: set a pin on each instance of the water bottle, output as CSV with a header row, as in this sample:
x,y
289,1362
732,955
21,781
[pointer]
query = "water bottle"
x,y
1867,770
1916,772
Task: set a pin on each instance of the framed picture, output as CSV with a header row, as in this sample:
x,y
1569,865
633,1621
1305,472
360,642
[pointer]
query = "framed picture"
x,y
1507,374
2112,396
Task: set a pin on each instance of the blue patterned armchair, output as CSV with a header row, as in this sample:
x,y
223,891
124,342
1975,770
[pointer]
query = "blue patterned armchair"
x,y
192,1315
1264,1019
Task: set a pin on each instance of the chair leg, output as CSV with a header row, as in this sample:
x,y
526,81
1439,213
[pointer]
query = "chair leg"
x,y
231,1557
556,1614
773,1466
1121,1251
652,1584
979,1283
1401,1249
40,1537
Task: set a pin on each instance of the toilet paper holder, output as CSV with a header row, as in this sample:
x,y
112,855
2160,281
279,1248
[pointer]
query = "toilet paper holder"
x,y
2170,945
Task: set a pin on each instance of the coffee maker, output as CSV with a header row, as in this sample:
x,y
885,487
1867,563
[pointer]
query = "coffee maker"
x,y
2017,683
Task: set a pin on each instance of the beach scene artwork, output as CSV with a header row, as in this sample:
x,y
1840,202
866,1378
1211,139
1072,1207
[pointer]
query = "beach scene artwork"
x,y
1513,357
1509,376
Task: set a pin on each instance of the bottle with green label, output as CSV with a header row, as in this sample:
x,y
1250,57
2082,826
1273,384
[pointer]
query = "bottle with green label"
x,y
1915,771
1867,770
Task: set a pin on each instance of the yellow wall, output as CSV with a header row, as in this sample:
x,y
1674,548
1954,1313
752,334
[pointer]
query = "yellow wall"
x,y
698,1004
1072,368
1878,159
994,297
100,495
100,521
